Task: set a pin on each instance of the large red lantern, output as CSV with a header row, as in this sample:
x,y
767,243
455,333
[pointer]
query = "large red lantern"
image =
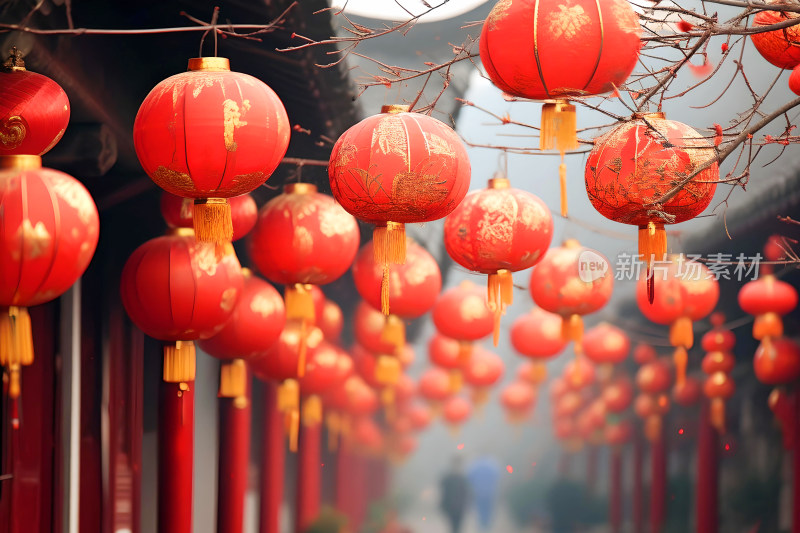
x,y
302,237
211,134
690,294
779,47
178,212
413,288
394,168
767,298
572,281
518,400
34,110
49,229
178,290
462,313
483,370
777,362
636,174
552,51
255,324
497,231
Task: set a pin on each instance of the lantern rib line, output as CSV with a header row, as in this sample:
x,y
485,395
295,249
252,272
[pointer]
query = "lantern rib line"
x,y
602,41
23,190
185,140
495,69
536,46
56,240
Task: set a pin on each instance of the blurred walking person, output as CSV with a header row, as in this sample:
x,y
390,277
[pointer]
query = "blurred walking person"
x,y
483,475
455,495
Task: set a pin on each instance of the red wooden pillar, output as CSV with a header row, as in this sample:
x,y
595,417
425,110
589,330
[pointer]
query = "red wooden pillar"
x,y
175,457
658,483
233,462
796,465
309,474
638,489
272,457
706,496
615,494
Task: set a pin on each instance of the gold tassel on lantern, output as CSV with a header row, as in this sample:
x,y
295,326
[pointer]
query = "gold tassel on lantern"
x,y
389,247
682,337
456,381
334,425
464,351
300,306
652,427
179,362
538,373
388,370
767,325
652,247
717,414
289,405
212,220
501,295
572,328
394,331
559,125
312,411
233,382
16,345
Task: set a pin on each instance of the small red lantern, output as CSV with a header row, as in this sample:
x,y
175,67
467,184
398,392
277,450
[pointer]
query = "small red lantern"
x,y
332,321
618,394
497,231
531,373
456,411
537,334
461,313
178,212
546,50
568,404
367,436
558,388
434,386
164,306
633,173
445,353
618,434
777,362
368,325
767,298
394,168
654,378
718,387
211,134
34,110
572,281
518,400
718,362
644,353
419,416
606,345
49,234
779,47
688,393
579,373
651,408
483,370
413,288
354,396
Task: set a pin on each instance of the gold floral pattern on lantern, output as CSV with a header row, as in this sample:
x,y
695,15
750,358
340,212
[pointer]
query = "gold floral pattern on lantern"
x,y
568,21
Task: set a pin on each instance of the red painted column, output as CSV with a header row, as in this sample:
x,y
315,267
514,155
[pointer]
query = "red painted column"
x,y
796,465
175,457
272,457
638,488
233,462
658,483
309,474
615,494
706,496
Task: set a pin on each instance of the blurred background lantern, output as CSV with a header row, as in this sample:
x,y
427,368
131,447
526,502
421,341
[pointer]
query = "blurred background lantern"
x,y
483,370
537,335
606,345
395,168
497,231
207,156
518,400
461,313
456,411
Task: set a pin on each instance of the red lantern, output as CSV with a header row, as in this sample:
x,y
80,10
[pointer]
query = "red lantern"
x,y
618,394
545,50
565,429
483,370
568,404
779,47
718,362
718,387
572,281
34,110
691,294
367,436
161,301
322,371
497,231
632,175
461,313
618,434
456,411
445,353
332,321
254,326
419,416
354,396
579,373
537,335
394,168
413,289
405,390
558,388
767,298
654,378
531,373
777,362
644,353
211,134
368,326
434,385
49,229
518,399
651,408
606,344
178,211
688,393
